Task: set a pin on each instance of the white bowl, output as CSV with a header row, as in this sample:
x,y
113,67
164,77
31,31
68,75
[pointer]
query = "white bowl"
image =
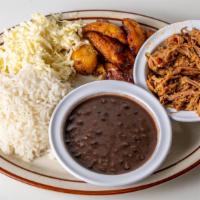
x,y
145,99
140,66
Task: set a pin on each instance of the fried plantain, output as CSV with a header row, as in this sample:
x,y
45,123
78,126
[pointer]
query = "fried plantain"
x,y
85,59
108,29
136,34
112,50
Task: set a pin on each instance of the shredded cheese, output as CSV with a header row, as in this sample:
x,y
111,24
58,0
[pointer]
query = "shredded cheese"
x,y
41,41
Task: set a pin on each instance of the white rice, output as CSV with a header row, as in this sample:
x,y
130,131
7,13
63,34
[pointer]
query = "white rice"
x,y
26,104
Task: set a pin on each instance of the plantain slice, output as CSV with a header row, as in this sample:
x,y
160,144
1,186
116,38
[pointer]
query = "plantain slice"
x,y
136,34
108,29
112,50
85,59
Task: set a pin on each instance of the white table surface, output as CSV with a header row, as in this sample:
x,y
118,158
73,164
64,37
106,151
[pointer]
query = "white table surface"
x,y
14,11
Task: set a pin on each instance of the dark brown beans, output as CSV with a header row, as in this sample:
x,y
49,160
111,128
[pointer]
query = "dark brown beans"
x,y
98,132
110,134
80,122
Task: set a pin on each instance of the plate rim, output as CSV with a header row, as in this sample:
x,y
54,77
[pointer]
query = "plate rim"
x,y
101,192
98,193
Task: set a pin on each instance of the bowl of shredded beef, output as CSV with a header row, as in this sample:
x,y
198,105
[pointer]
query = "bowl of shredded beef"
x,y
168,65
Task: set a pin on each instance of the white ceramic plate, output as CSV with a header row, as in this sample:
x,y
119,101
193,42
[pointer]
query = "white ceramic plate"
x,y
48,174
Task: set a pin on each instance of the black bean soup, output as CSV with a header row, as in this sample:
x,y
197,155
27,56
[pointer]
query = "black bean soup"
x,y
110,134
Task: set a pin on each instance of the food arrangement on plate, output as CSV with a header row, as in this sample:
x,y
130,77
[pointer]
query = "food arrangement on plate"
x,y
83,83
40,60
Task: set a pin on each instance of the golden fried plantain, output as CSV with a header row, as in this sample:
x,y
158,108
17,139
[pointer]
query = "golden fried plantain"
x,y
85,59
108,29
136,34
112,50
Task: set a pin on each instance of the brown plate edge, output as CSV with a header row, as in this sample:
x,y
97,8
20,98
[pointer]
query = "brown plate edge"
x,y
108,192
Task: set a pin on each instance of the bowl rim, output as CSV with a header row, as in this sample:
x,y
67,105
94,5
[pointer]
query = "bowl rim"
x,y
139,70
148,101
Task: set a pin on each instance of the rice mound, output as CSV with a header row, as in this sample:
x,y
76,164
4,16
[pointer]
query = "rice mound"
x,y
26,104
